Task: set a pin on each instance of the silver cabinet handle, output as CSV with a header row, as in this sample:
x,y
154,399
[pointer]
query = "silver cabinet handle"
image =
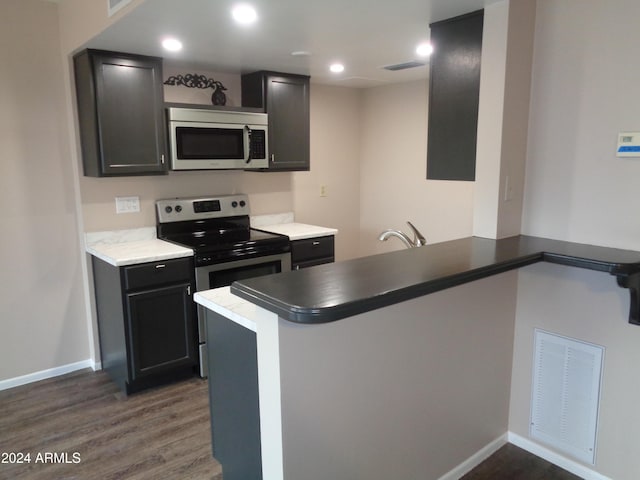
x,y
315,244
189,290
273,157
161,265
162,158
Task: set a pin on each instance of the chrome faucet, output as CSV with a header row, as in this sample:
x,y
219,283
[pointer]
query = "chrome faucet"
x,y
418,238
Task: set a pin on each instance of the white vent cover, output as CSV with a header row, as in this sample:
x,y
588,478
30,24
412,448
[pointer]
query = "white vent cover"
x,y
114,5
566,394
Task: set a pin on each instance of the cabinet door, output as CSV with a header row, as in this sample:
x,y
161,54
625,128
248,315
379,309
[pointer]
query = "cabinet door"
x,y
161,330
120,108
288,109
285,98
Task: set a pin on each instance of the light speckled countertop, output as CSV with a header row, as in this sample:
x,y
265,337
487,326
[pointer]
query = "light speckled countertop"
x,y
129,247
222,301
299,231
140,245
283,224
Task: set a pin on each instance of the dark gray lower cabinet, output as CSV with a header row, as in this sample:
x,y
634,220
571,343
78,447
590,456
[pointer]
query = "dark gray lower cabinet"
x,y
233,398
146,321
312,251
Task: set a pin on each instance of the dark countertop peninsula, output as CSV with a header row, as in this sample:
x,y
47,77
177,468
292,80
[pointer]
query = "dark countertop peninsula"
x,y
335,291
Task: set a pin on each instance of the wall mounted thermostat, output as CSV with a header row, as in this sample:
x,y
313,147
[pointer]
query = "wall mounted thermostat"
x,y
628,144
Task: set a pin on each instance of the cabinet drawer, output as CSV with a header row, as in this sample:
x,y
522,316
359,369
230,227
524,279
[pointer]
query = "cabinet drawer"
x,y
312,248
157,273
312,263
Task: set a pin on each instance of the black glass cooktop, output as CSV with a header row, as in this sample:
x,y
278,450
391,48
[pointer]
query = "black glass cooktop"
x,y
217,240
225,238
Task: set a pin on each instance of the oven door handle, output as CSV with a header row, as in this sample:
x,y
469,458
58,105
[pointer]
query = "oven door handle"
x,y
248,131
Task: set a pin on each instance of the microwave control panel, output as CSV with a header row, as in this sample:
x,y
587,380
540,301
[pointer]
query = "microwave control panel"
x,y
258,144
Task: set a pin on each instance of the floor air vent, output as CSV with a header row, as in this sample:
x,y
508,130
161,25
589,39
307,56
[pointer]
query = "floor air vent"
x,y
403,66
566,394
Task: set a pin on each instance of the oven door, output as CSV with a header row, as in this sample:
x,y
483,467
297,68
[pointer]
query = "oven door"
x,y
224,274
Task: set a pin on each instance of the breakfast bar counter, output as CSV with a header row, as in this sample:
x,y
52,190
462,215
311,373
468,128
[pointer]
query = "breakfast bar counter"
x,y
391,366
332,292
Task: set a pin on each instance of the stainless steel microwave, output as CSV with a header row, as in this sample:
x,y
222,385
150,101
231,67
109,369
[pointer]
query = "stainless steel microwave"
x,y
201,139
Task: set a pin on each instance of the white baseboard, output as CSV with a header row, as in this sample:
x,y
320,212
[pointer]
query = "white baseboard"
x,y
475,459
49,373
550,456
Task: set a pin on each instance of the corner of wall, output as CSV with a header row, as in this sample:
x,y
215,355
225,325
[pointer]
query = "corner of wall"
x,y
503,118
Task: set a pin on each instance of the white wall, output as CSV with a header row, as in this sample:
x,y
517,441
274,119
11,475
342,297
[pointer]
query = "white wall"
x,y
507,47
335,164
588,306
393,185
42,316
584,93
577,190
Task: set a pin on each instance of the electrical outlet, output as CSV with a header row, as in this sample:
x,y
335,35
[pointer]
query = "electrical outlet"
x,y
127,204
323,190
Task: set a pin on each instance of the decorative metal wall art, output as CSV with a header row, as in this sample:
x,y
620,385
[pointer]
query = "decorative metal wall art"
x,y
194,80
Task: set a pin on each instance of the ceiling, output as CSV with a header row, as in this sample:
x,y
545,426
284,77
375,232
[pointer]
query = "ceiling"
x,y
362,34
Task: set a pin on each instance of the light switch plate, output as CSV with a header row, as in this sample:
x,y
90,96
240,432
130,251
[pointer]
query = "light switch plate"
x,y
127,204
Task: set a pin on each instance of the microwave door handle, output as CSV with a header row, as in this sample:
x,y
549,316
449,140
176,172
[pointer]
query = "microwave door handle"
x,y
249,145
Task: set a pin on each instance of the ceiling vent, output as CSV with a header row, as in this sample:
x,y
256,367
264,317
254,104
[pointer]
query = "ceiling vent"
x,y
114,5
403,66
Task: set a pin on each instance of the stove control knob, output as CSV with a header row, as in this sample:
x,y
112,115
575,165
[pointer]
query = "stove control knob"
x,y
168,209
242,203
178,208
234,204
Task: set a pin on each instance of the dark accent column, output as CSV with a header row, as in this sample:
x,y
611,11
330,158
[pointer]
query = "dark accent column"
x,y
454,93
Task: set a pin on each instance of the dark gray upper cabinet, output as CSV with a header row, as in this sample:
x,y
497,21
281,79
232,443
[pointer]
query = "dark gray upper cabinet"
x,y
285,97
120,111
454,92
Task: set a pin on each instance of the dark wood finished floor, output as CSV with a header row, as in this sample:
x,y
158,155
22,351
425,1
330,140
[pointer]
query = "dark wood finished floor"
x,y
513,463
161,433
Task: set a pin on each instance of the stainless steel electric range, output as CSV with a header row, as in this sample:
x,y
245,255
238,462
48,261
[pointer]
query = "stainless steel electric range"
x,y
225,247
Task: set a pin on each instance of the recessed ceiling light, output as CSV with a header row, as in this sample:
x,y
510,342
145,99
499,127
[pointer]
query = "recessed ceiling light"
x,y
244,14
336,68
172,44
424,49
